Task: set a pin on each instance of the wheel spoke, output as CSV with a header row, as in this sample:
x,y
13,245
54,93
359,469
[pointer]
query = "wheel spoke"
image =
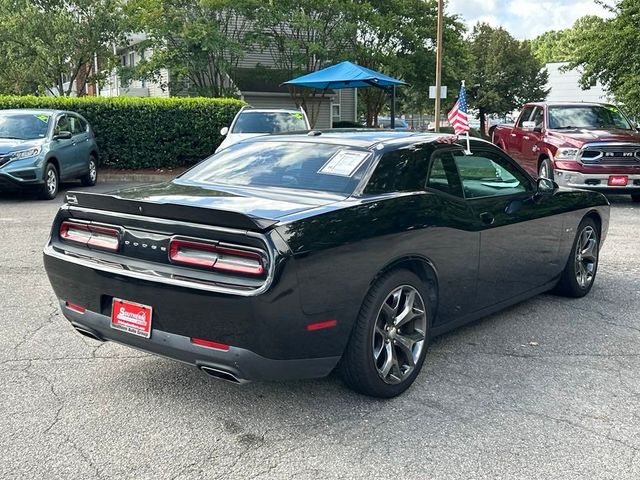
x,y
389,312
408,312
406,343
589,251
376,353
388,361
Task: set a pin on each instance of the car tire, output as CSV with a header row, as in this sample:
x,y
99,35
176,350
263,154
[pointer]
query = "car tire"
x,y
582,266
51,185
91,178
545,170
389,340
635,198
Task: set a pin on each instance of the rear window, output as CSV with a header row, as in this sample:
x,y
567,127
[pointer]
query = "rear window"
x,y
297,165
269,122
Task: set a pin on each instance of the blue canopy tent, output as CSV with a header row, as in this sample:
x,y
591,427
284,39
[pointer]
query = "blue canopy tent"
x,y
349,75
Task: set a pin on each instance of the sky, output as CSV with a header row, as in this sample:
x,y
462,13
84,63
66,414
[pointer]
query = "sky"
x,y
524,19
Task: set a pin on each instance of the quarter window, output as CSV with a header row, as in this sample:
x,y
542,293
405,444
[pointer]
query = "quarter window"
x,y
487,174
403,170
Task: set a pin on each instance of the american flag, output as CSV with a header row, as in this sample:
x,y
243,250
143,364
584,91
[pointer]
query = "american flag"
x,y
458,115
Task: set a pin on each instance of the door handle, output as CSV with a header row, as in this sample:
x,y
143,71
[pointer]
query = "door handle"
x,y
487,218
513,134
526,137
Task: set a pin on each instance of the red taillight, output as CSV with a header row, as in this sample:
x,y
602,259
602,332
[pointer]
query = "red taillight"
x,y
96,236
75,308
209,344
217,257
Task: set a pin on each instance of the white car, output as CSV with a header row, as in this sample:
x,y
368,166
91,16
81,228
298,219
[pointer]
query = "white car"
x,y
252,122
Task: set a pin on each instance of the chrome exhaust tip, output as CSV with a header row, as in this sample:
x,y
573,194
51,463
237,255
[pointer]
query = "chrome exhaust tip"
x,y
220,374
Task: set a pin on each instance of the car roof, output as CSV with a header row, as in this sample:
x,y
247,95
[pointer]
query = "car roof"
x,y
569,104
269,110
363,138
36,110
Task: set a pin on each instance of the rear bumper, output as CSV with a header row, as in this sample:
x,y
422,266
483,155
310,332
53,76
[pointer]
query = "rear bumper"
x,y
239,364
596,181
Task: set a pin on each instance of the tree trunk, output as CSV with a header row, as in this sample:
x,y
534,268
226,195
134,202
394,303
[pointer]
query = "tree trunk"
x,y
483,122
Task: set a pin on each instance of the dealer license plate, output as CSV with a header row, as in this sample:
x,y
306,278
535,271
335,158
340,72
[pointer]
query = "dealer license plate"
x,y
131,317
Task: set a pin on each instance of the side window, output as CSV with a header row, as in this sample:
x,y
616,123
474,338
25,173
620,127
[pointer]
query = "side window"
x,y
488,174
538,117
76,125
62,125
403,170
524,116
443,175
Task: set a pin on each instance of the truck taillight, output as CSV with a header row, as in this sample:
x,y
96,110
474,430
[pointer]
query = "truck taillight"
x,y
93,236
217,257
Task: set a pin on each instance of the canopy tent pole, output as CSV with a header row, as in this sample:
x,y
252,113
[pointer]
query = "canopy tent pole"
x,y
393,107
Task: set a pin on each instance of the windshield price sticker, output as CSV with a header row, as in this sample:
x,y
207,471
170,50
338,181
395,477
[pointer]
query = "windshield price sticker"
x,y
344,163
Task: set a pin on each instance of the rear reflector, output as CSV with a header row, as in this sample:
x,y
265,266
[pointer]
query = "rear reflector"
x,y
95,236
216,257
209,344
320,325
74,307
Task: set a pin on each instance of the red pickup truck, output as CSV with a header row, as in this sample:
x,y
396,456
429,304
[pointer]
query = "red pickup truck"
x,y
582,145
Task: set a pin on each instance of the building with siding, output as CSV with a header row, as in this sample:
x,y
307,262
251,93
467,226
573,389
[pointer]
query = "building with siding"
x,y
565,87
256,80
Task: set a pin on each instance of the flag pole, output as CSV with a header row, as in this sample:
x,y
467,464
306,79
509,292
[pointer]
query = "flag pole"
x,y
438,65
468,152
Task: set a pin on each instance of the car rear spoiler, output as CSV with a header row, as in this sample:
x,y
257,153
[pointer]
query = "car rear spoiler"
x,y
184,213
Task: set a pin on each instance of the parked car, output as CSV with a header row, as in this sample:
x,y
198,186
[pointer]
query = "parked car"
x,y
39,148
401,124
252,122
585,145
285,256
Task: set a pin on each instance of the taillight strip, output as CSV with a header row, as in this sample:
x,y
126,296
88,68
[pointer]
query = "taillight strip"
x,y
216,256
96,236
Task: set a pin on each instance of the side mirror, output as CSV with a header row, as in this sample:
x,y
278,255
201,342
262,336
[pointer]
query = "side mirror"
x,y
63,135
224,131
546,187
529,126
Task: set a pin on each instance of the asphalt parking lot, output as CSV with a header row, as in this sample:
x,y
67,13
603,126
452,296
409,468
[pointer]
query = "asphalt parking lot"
x,y
549,389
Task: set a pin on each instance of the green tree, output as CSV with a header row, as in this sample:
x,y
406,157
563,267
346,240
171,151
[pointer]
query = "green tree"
x,y
198,41
303,36
398,37
551,47
504,75
607,50
45,45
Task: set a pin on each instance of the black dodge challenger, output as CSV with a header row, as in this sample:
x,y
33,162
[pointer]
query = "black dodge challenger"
x,y
287,256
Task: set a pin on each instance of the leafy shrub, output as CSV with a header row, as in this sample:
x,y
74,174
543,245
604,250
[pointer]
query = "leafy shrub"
x,y
146,132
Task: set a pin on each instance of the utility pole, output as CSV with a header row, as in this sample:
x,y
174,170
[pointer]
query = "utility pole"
x,y
438,64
